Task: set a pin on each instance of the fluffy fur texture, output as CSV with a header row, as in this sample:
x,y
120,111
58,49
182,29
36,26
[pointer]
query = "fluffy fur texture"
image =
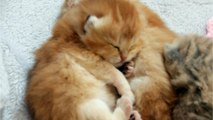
x,y
189,63
141,41
75,66
149,80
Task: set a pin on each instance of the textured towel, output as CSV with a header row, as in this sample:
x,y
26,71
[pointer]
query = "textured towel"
x,y
26,24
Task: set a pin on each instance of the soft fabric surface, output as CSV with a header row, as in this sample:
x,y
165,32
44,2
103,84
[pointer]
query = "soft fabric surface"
x,y
26,24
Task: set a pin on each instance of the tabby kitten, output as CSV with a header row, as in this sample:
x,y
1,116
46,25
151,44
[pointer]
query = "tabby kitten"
x,y
75,67
189,62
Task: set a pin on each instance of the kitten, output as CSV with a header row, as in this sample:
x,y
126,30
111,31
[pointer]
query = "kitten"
x,y
146,73
74,67
189,62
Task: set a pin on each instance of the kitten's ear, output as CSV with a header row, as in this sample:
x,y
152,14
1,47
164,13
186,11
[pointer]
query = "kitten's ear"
x,y
94,22
90,23
67,5
71,3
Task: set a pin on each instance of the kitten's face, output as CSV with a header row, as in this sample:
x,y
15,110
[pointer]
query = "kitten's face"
x,y
110,40
185,86
111,29
179,80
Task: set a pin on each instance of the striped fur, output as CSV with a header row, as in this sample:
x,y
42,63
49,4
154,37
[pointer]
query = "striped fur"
x,y
189,63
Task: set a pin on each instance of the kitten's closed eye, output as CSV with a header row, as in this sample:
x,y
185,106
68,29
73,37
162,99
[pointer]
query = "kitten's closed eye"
x,y
115,47
123,55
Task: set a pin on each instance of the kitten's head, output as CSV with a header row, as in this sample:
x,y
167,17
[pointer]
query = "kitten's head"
x,y
179,64
109,28
172,61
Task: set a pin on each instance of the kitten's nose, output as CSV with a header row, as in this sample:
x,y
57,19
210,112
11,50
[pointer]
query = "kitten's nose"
x,y
123,56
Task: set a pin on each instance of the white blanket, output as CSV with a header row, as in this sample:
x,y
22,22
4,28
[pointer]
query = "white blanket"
x,y
26,24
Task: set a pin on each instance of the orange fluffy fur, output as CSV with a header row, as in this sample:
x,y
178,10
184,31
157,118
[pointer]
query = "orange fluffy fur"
x,y
150,83
75,66
153,91
70,71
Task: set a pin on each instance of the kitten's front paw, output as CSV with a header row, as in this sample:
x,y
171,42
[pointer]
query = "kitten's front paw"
x,y
126,105
135,116
127,68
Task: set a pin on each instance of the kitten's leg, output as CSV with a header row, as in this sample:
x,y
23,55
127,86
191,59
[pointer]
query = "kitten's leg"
x,y
96,109
119,81
124,103
109,74
127,107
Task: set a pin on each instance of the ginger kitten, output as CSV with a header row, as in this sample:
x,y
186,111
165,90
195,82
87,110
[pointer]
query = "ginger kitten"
x,y
149,80
74,68
144,67
189,62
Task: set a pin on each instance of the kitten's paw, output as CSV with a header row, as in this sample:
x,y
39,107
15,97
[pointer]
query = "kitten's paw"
x,y
127,69
125,104
135,116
